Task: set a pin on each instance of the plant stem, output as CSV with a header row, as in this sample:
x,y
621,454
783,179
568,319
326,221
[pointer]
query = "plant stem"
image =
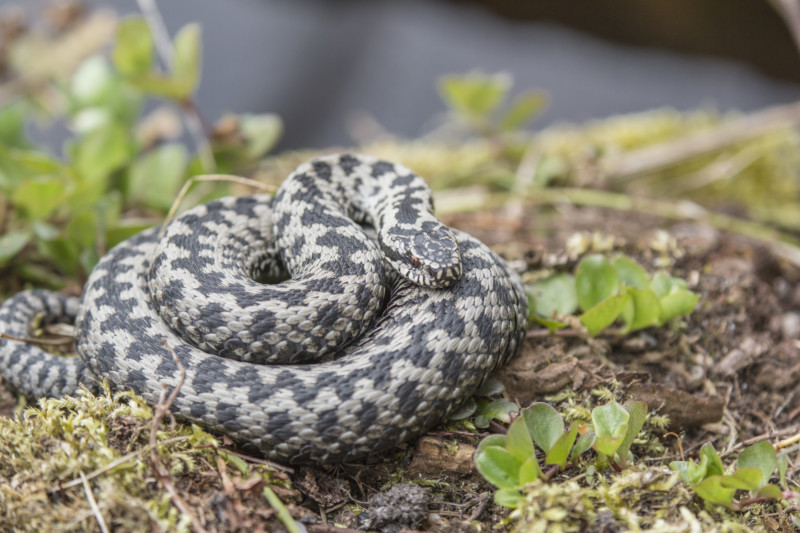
x,y
192,119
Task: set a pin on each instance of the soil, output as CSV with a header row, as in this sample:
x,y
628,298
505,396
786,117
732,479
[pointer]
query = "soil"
x,y
725,374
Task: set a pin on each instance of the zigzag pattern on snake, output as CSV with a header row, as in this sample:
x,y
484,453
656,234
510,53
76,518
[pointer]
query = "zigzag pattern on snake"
x,y
368,344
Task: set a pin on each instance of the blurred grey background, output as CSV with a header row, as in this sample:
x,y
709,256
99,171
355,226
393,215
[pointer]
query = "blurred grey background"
x,y
321,64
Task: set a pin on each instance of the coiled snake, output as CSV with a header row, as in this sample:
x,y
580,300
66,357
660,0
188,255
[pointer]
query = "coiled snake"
x,y
369,343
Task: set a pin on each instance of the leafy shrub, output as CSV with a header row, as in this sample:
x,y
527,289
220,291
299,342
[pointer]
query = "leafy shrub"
x,y
510,462
607,290
754,467
62,213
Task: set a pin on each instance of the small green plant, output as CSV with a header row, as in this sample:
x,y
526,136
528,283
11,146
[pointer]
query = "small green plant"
x,y
607,290
60,213
499,409
754,467
510,462
481,102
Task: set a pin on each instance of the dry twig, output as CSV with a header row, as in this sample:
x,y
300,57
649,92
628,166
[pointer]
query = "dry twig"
x,y
93,503
163,409
194,123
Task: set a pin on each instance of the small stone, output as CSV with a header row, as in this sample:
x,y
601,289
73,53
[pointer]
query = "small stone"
x,y
790,325
403,506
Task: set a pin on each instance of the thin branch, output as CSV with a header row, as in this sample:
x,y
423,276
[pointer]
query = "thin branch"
x,y
162,474
93,503
256,460
752,440
155,21
194,123
113,464
785,443
29,340
209,177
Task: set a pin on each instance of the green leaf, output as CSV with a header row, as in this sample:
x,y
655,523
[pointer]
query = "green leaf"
x,y
661,284
44,231
499,466
11,244
464,411
12,125
688,470
712,490
237,462
715,467
156,177
98,154
642,309
679,302
525,107
124,230
518,440
491,387
474,95
88,258
552,325
39,276
638,413
595,280
610,425
261,133
630,272
495,410
553,295
585,441
498,441
770,491
544,424
604,313
693,473
92,81
62,252
783,466
510,498
38,197
559,452
18,165
743,479
160,85
529,471
82,229
134,46
186,60
91,118
760,455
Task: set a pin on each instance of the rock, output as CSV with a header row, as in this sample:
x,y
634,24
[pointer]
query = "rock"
x,y
684,409
436,456
403,506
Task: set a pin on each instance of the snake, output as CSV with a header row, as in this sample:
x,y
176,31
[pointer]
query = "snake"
x,y
331,321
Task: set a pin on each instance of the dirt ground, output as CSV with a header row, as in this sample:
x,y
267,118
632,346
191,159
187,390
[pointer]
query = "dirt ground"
x,y
725,374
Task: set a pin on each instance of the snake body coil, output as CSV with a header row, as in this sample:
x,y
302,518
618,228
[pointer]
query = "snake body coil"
x,y
384,338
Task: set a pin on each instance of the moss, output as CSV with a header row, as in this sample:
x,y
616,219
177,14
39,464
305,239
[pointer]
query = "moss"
x,y
46,449
640,499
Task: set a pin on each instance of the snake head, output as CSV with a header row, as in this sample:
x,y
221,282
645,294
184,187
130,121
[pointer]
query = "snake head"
x,y
429,258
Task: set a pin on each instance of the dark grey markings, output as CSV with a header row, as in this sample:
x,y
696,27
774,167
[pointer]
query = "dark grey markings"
x,y
382,167
305,412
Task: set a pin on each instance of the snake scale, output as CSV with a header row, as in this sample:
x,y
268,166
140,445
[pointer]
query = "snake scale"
x,y
301,334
